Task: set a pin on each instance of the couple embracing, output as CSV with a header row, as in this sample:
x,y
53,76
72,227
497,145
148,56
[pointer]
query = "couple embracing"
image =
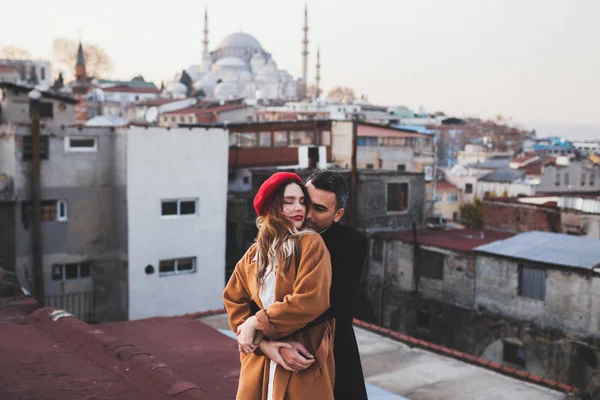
x,y
290,298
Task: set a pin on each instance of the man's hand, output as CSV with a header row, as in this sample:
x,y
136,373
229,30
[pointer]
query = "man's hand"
x,y
247,338
296,356
273,351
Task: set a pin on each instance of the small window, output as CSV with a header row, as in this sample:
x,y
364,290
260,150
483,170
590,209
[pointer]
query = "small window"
x,y
43,73
432,265
52,210
401,167
264,139
179,207
46,109
438,198
61,214
377,250
177,266
566,179
397,196
452,197
469,188
28,147
582,179
532,282
557,182
61,272
428,170
592,177
81,144
369,166
246,180
514,354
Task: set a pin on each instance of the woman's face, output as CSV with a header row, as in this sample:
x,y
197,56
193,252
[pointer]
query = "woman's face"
x,y
293,204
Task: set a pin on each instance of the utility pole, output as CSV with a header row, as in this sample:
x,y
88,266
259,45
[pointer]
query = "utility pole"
x,y
36,196
353,175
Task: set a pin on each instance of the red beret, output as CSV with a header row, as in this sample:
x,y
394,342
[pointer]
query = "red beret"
x,y
268,189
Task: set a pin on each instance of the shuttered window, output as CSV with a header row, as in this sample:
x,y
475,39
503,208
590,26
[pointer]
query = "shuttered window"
x,y
397,196
532,282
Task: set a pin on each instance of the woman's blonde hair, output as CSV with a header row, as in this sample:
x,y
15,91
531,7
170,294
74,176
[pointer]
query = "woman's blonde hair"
x,y
278,240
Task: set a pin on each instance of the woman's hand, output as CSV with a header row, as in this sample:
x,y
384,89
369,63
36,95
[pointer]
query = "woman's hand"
x,y
272,351
247,339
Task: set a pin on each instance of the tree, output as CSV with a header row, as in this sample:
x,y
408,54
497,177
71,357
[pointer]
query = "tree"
x,y
14,53
64,55
471,214
342,94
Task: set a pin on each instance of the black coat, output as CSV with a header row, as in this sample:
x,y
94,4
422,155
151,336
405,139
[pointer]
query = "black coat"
x,y
348,249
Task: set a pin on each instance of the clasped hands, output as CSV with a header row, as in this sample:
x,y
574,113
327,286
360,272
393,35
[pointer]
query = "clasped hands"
x,y
291,356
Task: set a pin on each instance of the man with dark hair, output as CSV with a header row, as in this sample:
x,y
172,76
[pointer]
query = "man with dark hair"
x,y
348,248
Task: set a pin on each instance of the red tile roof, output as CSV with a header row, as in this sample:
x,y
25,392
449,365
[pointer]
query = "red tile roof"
x,y
464,240
129,89
155,102
5,69
444,185
199,111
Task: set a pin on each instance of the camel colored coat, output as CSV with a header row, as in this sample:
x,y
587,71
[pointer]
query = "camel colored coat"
x,y
300,297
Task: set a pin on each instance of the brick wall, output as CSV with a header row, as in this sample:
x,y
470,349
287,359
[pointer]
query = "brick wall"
x,y
519,217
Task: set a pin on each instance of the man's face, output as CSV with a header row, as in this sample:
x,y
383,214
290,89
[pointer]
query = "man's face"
x,y
322,212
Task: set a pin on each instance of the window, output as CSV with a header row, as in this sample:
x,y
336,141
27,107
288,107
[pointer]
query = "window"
x,y
52,210
582,179
81,144
557,182
62,272
46,109
248,139
432,265
178,207
592,177
532,282
377,250
264,139
246,180
452,197
469,188
177,266
566,179
401,167
43,73
325,138
28,147
280,139
397,196
438,198
428,170
369,166
513,353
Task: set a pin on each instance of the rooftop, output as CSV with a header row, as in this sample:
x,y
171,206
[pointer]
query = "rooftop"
x,y
125,88
548,248
46,94
492,163
453,239
195,109
445,185
503,174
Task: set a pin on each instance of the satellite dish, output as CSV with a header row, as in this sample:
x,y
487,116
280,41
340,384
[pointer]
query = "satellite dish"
x,y
151,115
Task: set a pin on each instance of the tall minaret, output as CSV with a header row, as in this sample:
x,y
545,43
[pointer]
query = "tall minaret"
x,y
305,50
318,77
206,58
205,42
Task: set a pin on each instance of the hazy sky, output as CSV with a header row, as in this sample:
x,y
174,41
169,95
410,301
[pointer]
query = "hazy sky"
x,y
537,61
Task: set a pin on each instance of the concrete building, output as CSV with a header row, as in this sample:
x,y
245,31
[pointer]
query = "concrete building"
x,y
474,153
35,72
505,182
9,74
447,200
107,202
206,114
567,175
54,109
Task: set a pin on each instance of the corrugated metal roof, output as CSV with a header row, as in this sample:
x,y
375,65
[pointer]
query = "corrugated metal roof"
x,y
548,248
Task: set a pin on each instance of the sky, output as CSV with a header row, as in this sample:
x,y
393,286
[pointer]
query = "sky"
x,y
534,61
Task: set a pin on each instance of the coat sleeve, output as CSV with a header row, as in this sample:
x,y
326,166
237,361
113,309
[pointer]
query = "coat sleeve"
x,y
310,295
236,296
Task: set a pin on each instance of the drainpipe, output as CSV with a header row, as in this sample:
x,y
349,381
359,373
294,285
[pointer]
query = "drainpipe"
x,y
353,174
36,197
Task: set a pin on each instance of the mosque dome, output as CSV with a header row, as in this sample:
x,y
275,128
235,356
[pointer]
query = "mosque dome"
x,y
225,91
207,84
242,40
230,63
178,88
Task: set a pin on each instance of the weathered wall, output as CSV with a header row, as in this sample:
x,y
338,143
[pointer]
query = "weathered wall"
x,y
520,217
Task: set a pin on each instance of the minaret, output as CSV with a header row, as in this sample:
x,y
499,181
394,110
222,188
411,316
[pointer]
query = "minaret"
x,y
318,77
305,50
80,73
205,42
206,58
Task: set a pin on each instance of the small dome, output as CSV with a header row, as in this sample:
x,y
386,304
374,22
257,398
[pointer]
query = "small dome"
x,y
225,91
207,84
242,40
230,62
177,88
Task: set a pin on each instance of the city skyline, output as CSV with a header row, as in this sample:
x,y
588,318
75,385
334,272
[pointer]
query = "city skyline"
x,y
532,62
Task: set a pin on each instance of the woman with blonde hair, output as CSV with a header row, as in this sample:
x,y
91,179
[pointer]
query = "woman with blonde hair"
x,y
287,273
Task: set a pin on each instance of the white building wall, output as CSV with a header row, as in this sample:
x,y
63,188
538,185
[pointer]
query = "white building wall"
x,y
512,189
341,143
176,164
